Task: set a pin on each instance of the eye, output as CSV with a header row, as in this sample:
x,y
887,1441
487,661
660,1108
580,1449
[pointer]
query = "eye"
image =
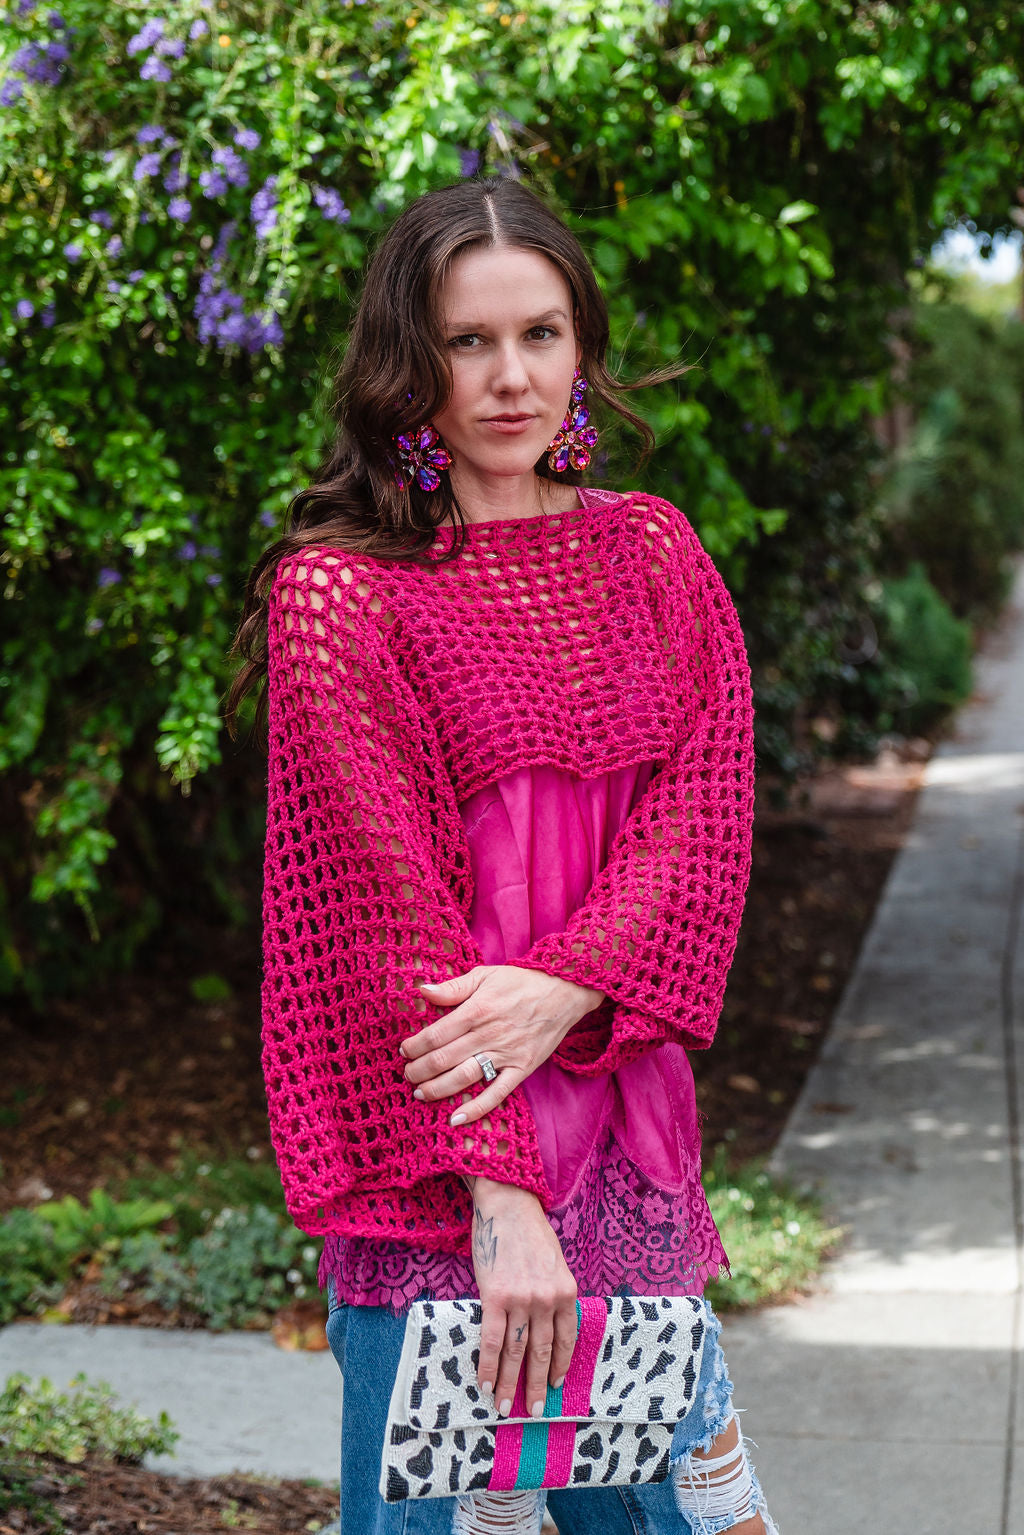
x,y
542,332
463,343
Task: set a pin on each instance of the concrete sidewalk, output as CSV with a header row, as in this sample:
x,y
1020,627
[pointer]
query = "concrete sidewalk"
x,y
892,1400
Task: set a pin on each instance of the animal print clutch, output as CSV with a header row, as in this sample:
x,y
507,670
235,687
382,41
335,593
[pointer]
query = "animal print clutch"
x,y
632,1377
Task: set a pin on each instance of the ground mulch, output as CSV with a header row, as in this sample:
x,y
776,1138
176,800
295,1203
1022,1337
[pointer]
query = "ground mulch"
x,y
105,1497
99,1085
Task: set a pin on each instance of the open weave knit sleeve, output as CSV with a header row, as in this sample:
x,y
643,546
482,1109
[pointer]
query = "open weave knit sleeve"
x,y
658,928
367,886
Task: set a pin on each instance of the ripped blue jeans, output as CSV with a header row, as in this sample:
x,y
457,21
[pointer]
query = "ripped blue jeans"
x,y
366,1342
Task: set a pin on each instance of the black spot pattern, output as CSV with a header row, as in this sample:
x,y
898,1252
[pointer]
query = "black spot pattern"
x,y
398,1487
422,1464
661,1366
427,1341
450,1370
613,1466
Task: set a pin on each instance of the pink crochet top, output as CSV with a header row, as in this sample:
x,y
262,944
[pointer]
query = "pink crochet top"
x,y
591,640
621,1152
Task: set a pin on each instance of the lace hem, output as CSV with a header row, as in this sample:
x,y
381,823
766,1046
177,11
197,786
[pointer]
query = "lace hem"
x,y
620,1235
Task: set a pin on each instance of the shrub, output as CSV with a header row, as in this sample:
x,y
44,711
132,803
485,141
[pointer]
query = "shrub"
x,y
955,499
195,202
37,1419
926,649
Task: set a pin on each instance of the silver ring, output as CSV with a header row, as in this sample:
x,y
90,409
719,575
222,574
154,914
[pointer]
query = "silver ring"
x,y
486,1066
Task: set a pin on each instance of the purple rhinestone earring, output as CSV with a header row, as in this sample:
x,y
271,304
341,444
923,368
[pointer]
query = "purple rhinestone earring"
x,y
421,457
574,439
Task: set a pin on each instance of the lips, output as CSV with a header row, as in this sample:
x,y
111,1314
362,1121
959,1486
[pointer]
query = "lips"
x,y
508,420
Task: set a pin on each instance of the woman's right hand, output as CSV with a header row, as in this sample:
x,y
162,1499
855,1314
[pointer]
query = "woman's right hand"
x,y
528,1295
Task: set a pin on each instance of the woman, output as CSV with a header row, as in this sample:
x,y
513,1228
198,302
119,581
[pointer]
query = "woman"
x,y
507,849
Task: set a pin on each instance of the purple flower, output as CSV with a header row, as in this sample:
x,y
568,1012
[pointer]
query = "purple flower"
x,y
214,580
56,20
24,309
40,62
198,29
233,166
103,218
47,315
247,138
180,208
268,519
170,47
72,252
113,287
188,551
24,6
331,205
152,133
10,92
108,577
94,626
175,179
137,275
213,183
148,37
114,247
209,551
146,165
272,331
152,69
469,162
264,208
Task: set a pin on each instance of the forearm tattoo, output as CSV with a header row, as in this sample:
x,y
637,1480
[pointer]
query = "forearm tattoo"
x,y
485,1240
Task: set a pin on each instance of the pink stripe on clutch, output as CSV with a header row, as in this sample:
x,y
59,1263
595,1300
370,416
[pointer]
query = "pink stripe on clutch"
x,y
508,1442
576,1390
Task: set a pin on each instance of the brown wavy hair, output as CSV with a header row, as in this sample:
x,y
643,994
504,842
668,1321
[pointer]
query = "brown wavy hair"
x,y
396,374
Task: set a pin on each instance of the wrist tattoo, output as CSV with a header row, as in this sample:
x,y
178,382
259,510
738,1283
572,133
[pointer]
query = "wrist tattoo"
x,y
485,1241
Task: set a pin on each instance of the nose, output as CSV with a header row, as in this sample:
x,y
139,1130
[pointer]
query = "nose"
x,y
510,372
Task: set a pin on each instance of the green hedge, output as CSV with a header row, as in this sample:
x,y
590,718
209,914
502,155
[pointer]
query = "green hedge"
x,y
189,197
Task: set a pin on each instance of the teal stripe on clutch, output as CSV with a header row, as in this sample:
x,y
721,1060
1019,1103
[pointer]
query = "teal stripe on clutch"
x,y
533,1452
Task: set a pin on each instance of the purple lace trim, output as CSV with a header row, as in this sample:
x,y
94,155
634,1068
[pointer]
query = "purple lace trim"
x,y
620,1235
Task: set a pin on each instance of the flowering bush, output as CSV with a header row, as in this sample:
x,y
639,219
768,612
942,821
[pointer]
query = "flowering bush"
x,y
190,196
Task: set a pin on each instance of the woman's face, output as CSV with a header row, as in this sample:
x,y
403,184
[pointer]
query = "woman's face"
x,y
507,315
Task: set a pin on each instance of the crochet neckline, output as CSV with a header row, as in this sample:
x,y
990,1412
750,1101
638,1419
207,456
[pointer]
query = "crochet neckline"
x,y
602,500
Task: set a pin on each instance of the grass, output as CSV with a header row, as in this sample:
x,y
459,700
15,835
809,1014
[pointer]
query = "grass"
x,y
775,1236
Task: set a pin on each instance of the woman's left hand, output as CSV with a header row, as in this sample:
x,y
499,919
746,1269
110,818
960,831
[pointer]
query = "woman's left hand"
x,y
518,1017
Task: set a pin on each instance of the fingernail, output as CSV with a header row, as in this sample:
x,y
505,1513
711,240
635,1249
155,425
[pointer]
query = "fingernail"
x,y
487,1385
556,1385
418,1092
536,1409
505,1408
456,1119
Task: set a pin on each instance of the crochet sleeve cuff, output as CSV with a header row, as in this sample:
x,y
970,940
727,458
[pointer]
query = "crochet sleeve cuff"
x,y
367,887
658,929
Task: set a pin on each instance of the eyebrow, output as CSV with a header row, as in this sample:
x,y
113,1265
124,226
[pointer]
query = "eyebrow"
x,y
466,327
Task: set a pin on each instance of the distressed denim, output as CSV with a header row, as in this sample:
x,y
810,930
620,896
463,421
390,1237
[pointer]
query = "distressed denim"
x,y
366,1342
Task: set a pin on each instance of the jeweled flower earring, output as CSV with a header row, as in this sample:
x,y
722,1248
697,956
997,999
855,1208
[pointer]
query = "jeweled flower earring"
x,y
421,457
574,438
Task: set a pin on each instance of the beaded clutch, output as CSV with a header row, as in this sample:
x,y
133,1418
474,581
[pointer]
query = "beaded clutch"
x,y
633,1375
